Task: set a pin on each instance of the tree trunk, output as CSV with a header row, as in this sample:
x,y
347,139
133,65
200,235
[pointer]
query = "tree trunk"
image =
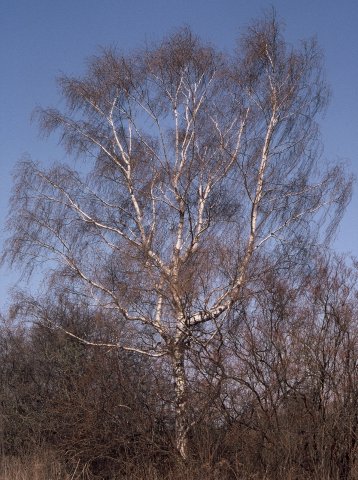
x,y
181,404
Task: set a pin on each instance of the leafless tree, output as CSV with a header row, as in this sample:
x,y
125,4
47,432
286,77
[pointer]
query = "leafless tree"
x,y
290,377
195,166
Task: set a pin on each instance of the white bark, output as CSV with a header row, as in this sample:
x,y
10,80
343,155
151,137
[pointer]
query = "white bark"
x,y
181,400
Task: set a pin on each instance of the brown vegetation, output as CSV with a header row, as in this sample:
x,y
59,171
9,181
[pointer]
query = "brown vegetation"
x,y
275,397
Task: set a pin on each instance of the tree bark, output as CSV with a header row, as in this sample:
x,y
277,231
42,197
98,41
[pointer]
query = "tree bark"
x,y
181,402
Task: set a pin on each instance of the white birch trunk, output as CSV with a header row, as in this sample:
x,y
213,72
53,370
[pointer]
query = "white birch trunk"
x,y
181,402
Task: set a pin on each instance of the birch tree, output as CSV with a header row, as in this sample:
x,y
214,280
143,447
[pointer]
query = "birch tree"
x,y
192,168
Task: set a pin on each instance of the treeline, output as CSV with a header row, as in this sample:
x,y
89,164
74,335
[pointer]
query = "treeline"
x,y
274,395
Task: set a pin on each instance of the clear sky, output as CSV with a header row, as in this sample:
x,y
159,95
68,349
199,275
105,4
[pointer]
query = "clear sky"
x,y
40,39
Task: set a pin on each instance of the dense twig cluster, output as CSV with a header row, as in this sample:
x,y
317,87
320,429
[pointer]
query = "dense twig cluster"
x,y
275,396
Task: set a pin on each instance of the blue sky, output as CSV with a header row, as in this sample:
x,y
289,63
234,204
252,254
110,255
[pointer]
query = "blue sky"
x,y
40,39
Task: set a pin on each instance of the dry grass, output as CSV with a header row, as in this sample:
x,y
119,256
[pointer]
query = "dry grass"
x,y
45,466
35,467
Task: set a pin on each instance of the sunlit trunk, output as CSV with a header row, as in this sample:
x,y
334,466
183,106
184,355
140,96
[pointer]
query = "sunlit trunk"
x,y
181,403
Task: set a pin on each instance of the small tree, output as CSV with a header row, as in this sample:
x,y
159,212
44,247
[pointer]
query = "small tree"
x,y
196,166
